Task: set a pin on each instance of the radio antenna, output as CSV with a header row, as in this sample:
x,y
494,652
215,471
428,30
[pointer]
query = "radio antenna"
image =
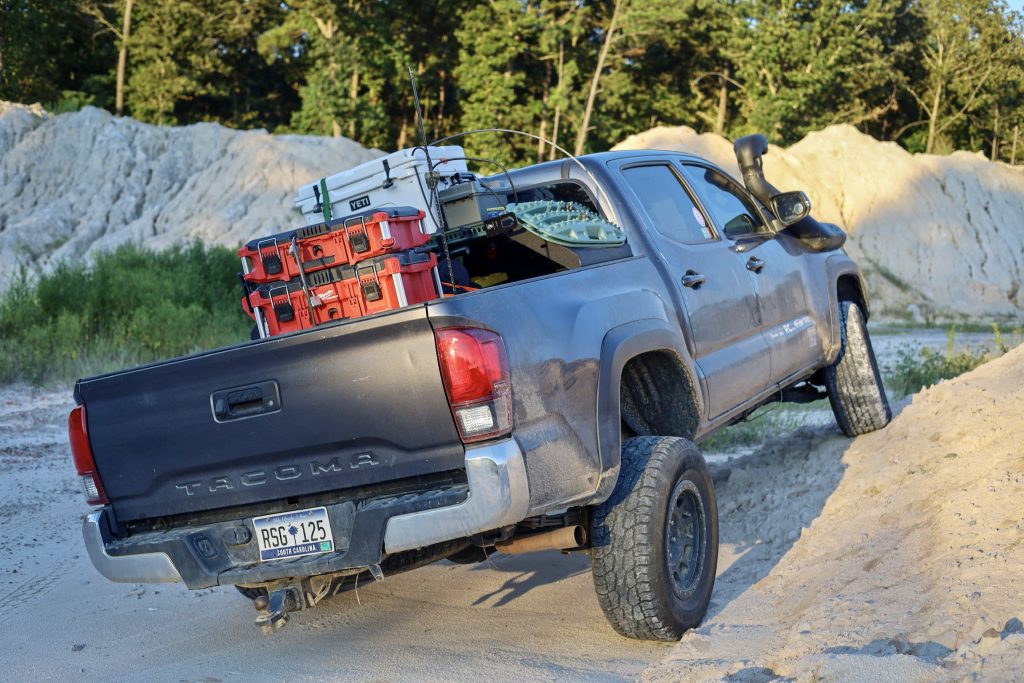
x,y
432,180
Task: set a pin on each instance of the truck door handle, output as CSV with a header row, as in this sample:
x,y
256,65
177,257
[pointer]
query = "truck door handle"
x,y
755,264
692,279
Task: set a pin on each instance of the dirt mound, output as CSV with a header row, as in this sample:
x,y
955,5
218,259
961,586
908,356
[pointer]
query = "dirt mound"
x,y
938,236
913,569
74,183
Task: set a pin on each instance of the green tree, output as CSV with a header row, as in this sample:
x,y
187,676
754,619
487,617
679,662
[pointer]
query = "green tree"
x,y
50,53
347,62
804,65
198,61
500,77
657,53
968,49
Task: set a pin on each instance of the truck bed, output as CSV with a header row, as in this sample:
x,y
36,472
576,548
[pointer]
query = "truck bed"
x,y
281,418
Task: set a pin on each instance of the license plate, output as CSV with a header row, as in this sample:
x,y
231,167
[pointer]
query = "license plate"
x,y
294,534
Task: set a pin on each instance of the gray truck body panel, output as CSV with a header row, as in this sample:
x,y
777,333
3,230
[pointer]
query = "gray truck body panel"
x,y
372,386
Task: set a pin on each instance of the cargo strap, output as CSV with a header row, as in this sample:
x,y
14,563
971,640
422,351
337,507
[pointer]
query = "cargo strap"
x,y
326,199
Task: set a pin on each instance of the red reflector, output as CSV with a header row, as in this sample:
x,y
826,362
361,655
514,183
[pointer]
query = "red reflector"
x,y
472,362
81,451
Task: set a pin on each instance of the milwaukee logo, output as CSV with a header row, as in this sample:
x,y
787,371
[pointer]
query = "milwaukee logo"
x,y
283,473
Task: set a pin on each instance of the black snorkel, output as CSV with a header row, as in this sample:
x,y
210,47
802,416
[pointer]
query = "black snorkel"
x,y
790,210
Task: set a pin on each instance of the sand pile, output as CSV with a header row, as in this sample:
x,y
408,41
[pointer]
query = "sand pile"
x,y
939,237
914,567
75,183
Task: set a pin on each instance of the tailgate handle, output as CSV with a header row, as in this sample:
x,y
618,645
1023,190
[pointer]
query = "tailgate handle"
x,y
249,401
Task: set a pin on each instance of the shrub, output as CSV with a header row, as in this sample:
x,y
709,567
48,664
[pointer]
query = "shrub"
x,y
919,368
129,306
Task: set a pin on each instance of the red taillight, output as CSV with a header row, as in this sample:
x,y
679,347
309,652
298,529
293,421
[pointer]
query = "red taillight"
x,y
81,451
474,367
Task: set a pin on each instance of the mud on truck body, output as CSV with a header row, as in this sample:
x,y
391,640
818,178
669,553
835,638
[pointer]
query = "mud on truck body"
x,y
558,409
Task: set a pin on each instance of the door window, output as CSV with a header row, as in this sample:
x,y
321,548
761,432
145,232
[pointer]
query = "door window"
x,y
729,207
666,201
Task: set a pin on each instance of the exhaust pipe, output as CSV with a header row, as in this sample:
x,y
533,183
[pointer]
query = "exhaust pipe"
x,y
566,538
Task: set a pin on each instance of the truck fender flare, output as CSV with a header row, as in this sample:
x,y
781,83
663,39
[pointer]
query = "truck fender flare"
x,y
843,268
619,346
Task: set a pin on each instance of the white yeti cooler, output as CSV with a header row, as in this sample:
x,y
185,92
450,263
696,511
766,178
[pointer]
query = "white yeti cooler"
x,y
398,179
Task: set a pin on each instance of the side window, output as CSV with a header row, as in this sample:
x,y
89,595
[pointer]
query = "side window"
x,y
565,191
666,201
730,209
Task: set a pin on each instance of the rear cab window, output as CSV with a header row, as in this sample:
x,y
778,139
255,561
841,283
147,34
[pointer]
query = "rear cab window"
x,y
481,260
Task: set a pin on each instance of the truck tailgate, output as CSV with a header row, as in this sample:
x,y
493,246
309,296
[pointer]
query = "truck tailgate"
x,y
337,407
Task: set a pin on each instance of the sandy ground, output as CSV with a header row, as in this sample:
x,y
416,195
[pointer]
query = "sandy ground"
x,y
908,563
897,556
520,618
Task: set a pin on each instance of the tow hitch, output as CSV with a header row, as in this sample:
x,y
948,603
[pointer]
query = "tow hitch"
x,y
288,596
274,609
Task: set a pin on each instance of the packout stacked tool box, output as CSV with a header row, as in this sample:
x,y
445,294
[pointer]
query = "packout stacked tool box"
x,y
343,268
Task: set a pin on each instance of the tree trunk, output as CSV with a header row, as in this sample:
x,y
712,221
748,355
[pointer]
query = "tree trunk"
x,y
402,133
723,104
122,59
543,132
1013,149
353,98
995,136
439,128
933,119
581,135
558,107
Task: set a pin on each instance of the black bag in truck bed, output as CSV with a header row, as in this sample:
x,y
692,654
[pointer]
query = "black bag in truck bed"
x,y
286,417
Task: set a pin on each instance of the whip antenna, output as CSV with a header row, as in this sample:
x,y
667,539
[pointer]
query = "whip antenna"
x,y
432,180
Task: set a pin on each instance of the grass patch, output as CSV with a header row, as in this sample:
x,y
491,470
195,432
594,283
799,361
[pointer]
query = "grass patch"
x,y
130,306
888,327
921,368
766,422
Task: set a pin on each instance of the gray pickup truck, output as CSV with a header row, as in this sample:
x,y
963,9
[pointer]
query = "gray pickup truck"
x,y
557,407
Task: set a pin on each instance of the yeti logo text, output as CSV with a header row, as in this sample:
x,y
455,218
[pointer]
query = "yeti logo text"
x,y
360,203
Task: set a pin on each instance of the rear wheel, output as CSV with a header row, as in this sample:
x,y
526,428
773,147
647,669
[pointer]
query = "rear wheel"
x,y
853,382
656,540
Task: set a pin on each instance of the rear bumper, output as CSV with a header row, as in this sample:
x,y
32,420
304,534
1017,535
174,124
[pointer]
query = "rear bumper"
x,y
153,567
499,494
226,552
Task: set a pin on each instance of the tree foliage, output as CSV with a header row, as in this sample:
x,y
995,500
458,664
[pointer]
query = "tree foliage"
x,y
934,75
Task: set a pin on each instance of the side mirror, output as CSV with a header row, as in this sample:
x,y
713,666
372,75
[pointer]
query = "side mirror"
x,y
791,207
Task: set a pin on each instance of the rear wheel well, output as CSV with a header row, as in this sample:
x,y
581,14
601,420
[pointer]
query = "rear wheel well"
x,y
657,397
848,289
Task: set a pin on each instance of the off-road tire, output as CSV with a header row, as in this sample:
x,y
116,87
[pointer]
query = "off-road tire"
x,y
641,595
853,382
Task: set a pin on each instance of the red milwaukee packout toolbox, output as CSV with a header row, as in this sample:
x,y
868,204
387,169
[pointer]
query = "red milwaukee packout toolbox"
x,y
350,291
345,241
